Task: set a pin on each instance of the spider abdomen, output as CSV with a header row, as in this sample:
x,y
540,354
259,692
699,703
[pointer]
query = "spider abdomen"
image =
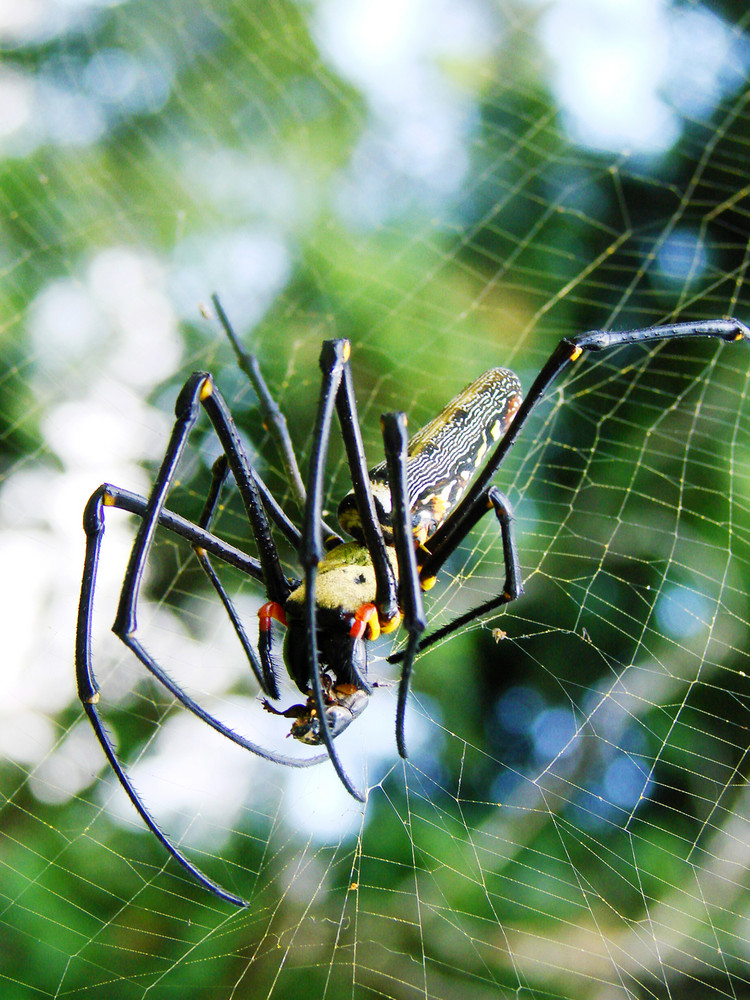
x,y
443,456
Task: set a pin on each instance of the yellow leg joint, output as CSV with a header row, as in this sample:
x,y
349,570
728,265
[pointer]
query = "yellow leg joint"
x,y
391,624
206,389
576,353
428,582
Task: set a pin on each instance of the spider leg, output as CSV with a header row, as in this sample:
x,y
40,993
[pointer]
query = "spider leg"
x,y
133,503
277,515
273,419
278,587
266,672
198,389
334,366
146,816
410,588
496,501
386,597
568,350
88,688
262,668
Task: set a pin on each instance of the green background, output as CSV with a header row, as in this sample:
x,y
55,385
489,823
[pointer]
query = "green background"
x,y
227,151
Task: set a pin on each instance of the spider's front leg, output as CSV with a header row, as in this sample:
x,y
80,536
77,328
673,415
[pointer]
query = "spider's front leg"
x,y
331,637
568,351
274,420
197,390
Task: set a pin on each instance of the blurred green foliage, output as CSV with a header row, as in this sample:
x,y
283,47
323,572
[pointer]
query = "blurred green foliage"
x,y
468,868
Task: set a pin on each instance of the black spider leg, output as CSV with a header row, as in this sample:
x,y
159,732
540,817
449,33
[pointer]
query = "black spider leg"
x,y
464,516
386,596
262,668
410,588
278,587
513,587
198,389
274,511
265,673
88,689
459,522
205,543
273,419
311,550
335,391
88,692
133,503
152,513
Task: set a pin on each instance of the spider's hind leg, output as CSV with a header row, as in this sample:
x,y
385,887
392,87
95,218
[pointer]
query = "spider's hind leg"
x,y
492,500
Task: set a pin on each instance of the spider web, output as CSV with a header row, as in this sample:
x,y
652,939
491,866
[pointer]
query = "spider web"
x,y
451,186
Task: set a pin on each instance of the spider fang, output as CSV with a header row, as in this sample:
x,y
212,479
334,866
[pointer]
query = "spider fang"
x,y
269,612
365,623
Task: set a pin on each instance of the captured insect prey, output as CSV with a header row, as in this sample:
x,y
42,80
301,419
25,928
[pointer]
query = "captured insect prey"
x,y
403,517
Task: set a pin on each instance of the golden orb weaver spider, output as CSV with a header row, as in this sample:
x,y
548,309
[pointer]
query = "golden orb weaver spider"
x,y
405,516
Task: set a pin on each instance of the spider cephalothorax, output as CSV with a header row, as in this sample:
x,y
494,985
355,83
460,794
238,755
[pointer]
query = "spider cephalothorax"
x,y
405,515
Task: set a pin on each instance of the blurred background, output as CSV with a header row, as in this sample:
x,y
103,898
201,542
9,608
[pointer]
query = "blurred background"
x,y
451,185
